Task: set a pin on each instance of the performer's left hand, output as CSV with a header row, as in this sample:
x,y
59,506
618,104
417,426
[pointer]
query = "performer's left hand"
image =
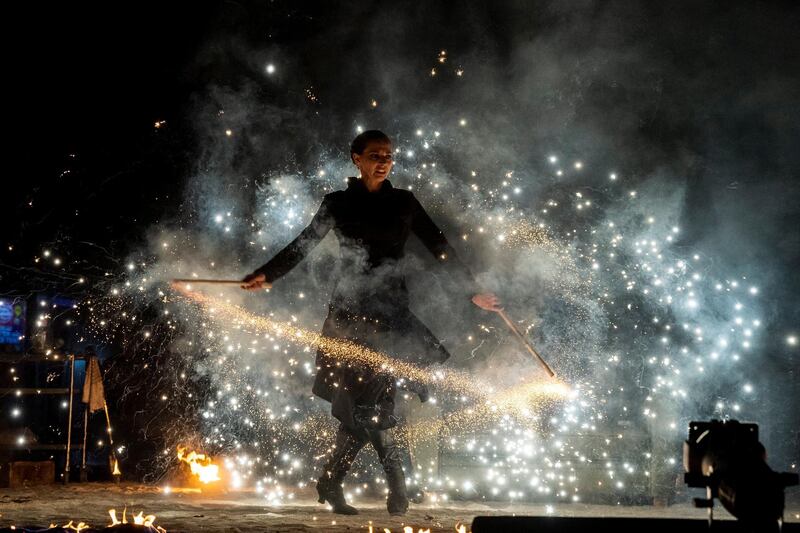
x,y
487,301
255,282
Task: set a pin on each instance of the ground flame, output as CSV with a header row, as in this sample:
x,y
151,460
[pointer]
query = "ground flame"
x,y
139,520
200,464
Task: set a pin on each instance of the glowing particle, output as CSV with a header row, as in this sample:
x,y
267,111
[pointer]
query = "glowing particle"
x,y
270,68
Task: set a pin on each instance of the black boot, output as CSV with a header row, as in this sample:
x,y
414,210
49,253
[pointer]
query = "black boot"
x,y
329,485
397,502
385,445
330,490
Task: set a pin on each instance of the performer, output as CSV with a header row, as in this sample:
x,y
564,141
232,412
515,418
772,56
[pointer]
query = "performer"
x,y
370,305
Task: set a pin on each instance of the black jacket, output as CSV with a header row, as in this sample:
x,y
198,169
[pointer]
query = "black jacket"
x,y
370,301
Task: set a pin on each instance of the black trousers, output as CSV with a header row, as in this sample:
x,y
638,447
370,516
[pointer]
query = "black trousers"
x,y
350,442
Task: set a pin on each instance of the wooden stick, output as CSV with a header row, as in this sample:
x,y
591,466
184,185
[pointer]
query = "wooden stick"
x,y
525,342
209,281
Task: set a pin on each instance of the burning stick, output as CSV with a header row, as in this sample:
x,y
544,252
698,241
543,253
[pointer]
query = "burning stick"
x,y
208,281
239,283
525,342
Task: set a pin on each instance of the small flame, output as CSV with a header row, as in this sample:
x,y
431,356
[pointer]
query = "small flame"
x,y
139,520
461,528
201,465
80,527
408,529
116,471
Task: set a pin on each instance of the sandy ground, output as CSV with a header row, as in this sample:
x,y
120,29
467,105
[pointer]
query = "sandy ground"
x,y
242,511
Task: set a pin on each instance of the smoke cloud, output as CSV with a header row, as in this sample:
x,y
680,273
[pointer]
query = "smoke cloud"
x,y
620,174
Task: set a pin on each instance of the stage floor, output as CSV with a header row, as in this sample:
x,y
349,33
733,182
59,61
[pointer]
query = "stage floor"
x,y
246,511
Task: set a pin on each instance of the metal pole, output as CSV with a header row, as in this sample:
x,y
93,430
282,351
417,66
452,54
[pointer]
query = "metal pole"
x,y
115,473
69,415
84,475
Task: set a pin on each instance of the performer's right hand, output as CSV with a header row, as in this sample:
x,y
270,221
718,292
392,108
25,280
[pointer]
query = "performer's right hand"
x,y
487,301
255,281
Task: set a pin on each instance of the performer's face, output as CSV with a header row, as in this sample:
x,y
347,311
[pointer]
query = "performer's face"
x,y
375,162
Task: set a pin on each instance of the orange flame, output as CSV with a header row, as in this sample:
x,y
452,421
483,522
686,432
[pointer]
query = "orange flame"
x,y
409,529
139,520
116,471
80,527
200,464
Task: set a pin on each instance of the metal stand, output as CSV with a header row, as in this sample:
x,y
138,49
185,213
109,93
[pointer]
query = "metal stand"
x,y
69,417
84,474
114,464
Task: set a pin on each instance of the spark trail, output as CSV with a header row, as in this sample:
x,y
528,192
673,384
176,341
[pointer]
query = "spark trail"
x,y
351,353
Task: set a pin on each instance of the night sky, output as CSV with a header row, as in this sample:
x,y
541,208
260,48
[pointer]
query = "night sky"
x,y
697,103
712,93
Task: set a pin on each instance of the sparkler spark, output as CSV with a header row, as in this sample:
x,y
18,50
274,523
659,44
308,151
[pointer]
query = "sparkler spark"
x,y
604,290
350,352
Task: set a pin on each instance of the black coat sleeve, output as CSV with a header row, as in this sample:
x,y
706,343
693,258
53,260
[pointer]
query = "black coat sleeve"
x,y
295,251
434,240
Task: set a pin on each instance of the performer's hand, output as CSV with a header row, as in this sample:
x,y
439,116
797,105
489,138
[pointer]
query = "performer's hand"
x,y
487,301
255,282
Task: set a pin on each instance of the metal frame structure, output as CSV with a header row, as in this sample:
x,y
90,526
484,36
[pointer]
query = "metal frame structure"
x,y
22,358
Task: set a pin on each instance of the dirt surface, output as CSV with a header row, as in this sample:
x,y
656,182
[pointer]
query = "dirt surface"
x,y
246,511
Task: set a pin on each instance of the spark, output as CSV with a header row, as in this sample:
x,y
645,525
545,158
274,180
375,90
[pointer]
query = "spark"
x,y
342,350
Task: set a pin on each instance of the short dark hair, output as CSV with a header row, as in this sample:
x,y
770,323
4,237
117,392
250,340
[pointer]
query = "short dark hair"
x,y
360,143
